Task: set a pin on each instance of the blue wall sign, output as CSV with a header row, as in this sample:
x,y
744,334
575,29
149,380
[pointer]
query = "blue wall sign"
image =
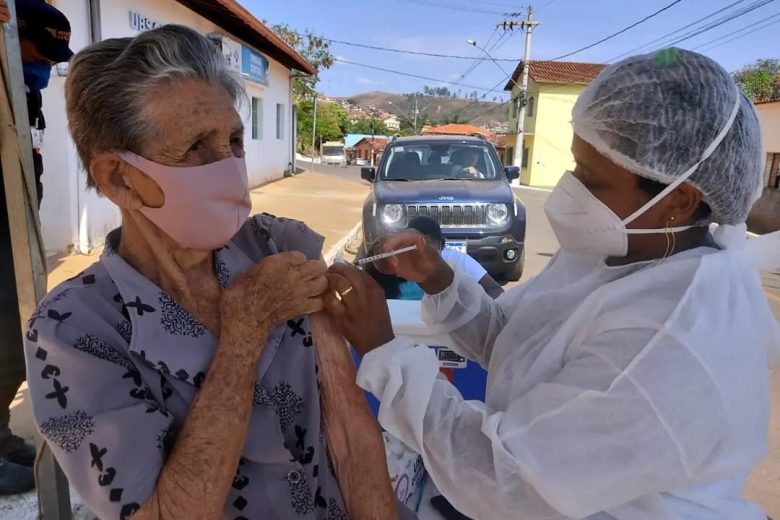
x,y
254,66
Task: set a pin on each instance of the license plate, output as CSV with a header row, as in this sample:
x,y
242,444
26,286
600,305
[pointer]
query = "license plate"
x,y
460,247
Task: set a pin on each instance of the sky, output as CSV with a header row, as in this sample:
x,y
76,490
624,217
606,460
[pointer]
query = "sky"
x,y
444,26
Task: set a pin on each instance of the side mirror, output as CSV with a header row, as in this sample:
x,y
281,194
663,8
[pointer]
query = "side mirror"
x,y
368,173
512,172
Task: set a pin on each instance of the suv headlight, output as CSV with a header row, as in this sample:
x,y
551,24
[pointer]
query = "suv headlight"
x,y
392,214
497,214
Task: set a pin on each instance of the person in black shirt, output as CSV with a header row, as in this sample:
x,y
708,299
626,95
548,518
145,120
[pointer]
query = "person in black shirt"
x,y
44,37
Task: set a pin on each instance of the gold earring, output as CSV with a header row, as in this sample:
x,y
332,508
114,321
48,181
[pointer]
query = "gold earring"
x,y
671,239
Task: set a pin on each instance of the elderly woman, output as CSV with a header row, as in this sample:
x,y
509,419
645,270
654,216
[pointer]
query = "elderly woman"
x,y
629,379
177,376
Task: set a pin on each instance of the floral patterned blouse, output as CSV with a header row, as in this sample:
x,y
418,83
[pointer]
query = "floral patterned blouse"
x,y
114,363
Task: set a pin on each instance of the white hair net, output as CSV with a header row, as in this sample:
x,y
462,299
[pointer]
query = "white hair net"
x,y
656,114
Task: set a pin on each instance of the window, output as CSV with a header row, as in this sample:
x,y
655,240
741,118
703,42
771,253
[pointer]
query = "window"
x,y
514,108
279,121
525,157
434,159
529,110
257,118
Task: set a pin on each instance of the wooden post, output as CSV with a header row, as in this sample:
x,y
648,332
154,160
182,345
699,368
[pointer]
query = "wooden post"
x,y
26,243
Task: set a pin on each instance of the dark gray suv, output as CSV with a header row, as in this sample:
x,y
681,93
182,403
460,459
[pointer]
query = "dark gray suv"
x,y
460,182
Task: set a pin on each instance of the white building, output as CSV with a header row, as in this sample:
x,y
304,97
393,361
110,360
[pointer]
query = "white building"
x,y
74,218
392,123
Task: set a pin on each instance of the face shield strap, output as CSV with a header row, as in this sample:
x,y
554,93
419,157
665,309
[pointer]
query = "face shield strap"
x,y
685,176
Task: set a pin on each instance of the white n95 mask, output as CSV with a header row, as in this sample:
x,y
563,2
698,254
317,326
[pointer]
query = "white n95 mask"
x,y
584,224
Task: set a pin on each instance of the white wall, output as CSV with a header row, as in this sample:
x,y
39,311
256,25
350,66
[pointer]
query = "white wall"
x,y
268,157
769,114
74,218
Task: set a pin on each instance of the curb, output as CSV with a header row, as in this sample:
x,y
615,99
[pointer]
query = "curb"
x,y
338,247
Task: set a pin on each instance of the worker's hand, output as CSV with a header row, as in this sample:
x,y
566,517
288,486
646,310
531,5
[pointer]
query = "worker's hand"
x,y
358,306
424,266
5,12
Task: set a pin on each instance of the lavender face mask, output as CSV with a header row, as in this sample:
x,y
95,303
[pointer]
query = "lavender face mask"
x,y
205,206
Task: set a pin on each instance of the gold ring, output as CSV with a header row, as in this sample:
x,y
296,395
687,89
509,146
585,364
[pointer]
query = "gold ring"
x,y
346,291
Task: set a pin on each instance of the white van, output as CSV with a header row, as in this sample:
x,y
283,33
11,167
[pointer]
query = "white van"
x,y
333,153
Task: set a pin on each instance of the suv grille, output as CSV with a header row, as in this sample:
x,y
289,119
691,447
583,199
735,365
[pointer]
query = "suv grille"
x,y
451,215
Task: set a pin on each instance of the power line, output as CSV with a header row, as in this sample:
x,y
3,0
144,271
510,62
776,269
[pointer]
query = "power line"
x,y
741,29
399,51
443,5
400,73
618,33
500,44
545,6
667,35
479,60
717,23
743,35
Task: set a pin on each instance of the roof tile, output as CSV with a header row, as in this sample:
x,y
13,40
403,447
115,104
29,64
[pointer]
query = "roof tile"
x,y
558,72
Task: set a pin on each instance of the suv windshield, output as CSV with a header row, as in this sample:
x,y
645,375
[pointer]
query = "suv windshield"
x,y
441,160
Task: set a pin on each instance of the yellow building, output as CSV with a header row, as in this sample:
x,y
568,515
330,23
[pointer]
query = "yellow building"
x,y
553,87
769,115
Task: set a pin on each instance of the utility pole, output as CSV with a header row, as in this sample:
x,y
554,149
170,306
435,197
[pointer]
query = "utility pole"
x,y
314,132
522,98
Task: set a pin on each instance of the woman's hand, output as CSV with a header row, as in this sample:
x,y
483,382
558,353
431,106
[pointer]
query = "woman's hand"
x,y
273,291
424,266
360,309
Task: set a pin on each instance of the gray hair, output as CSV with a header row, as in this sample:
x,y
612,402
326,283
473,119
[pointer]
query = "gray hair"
x,y
108,83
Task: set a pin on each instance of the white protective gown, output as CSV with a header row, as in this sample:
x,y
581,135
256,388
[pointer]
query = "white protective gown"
x,y
630,393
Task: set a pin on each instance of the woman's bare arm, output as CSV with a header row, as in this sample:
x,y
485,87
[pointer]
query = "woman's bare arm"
x,y
354,437
195,480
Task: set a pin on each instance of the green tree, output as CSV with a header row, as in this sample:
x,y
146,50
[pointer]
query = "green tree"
x,y
454,118
760,80
368,126
315,49
331,123
407,124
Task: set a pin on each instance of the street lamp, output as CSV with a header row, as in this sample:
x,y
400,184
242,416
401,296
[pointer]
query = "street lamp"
x,y
473,43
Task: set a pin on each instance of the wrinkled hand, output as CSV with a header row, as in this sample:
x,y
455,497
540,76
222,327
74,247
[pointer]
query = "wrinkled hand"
x,y
273,291
5,12
361,314
424,266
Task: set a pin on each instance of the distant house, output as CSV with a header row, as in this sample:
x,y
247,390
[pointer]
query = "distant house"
x,y
769,114
350,140
456,129
498,141
392,123
553,87
370,149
